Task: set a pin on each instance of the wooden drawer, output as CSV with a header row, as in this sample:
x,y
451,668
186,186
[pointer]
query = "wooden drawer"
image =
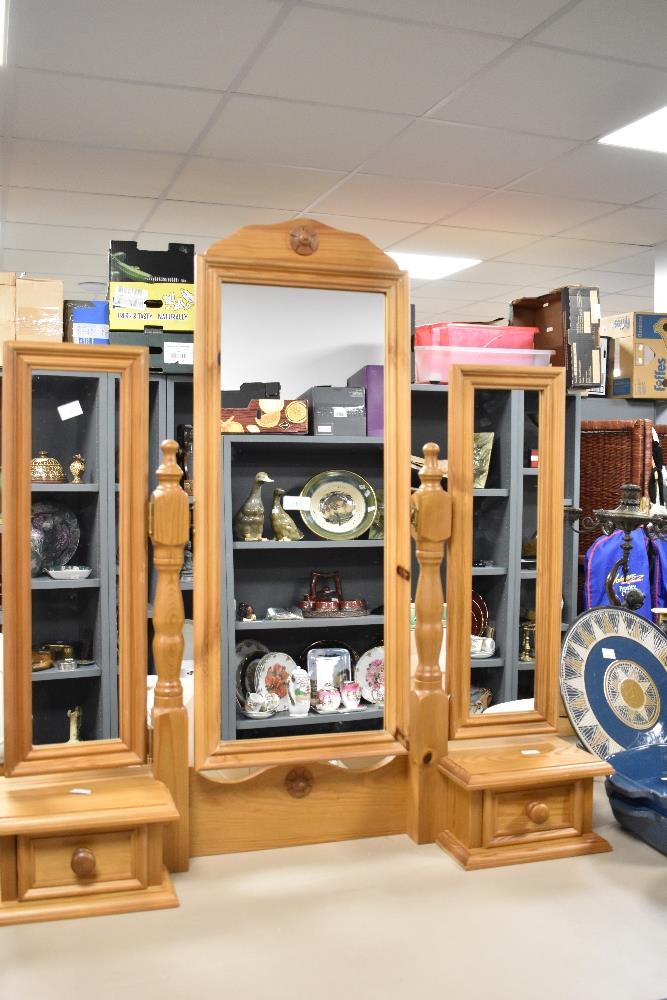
x,y
539,813
82,864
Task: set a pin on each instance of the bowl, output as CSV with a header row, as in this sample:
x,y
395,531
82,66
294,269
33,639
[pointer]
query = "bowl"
x,y
70,572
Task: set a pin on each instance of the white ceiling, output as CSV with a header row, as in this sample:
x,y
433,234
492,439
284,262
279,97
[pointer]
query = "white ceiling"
x,y
464,127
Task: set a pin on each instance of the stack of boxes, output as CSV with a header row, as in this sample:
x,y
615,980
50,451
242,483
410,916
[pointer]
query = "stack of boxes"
x,y
637,355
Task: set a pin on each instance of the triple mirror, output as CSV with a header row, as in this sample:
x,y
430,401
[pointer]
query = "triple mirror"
x,y
505,558
301,499
74,450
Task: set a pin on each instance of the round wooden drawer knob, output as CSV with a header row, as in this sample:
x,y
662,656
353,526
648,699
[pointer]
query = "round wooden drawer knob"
x,y
83,862
537,812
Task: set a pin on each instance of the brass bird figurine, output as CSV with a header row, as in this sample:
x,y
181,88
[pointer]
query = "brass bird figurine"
x,y
284,528
249,519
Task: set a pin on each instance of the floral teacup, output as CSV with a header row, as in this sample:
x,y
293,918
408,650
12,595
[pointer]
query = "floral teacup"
x,y
350,692
256,703
328,698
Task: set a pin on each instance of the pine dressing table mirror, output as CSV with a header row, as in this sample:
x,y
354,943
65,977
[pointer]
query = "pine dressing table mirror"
x,y
301,587
515,791
80,817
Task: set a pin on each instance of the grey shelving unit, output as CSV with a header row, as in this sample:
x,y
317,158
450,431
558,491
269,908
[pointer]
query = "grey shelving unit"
x,y
80,612
504,515
267,574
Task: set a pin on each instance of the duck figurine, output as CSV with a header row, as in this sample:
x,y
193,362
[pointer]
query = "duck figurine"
x,y
284,528
249,519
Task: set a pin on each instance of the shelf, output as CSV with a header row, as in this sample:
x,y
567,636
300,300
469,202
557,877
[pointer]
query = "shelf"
x,y
526,665
187,584
65,488
94,670
355,543
488,661
149,611
529,574
491,493
531,472
428,387
303,439
489,571
283,720
46,583
311,623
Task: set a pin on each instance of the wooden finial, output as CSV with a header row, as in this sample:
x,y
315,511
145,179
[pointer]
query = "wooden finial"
x,y
169,471
431,473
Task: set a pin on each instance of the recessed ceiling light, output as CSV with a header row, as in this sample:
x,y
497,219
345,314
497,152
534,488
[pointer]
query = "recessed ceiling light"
x,y
4,22
649,132
429,268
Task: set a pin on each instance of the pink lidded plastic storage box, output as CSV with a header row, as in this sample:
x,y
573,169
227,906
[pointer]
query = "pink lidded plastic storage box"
x,y
432,364
474,335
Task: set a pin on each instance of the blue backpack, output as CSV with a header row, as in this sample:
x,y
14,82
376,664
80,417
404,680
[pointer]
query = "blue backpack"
x,y
599,560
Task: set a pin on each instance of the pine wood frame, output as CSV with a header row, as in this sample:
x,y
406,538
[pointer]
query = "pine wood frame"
x,y
274,255
550,384
21,360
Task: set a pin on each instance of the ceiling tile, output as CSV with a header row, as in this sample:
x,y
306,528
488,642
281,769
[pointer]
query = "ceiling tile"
x,y
503,273
232,182
509,211
439,307
513,20
613,304
557,93
604,173
573,253
298,134
382,232
481,312
627,225
83,168
202,219
61,239
461,154
463,242
645,290
607,281
155,41
330,56
56,264
396,198
634,30
108,113
640,263
65,208
471,291
656,201
160,241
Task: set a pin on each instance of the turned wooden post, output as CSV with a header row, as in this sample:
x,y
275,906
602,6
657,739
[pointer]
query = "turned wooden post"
x,y
169,530
431,527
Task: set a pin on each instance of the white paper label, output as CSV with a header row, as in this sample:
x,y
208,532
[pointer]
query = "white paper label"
x,y
178,354
608,654
81,791
69,410
296,503
324,429
596,311
340,411
126,297
85,332
530,753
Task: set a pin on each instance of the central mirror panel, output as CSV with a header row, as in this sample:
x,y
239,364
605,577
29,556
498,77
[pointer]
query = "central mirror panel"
x,y
302,513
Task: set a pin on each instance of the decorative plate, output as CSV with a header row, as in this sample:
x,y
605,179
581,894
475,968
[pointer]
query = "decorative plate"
x,y
244,649
613,678
480,615
54,537
69,572
272,674
342,505
326,644
369,674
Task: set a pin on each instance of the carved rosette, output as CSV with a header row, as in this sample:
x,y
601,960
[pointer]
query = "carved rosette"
x,y
299,782
304,240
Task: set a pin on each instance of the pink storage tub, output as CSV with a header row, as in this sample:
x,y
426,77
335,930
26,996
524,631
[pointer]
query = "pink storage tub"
x,y
432,364
474,335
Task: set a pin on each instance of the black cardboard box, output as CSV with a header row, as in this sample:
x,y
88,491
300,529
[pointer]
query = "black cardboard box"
x,y
336,411
250,390
568,320
151,288
172,353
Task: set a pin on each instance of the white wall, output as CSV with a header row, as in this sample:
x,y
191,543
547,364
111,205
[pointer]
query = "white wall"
x,y
298,336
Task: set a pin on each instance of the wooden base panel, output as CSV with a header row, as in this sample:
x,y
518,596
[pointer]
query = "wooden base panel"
x,y
157,897
474,859
262,813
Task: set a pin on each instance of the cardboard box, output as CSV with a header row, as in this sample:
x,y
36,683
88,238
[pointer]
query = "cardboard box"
x,y
606,352
569,323
336,411
86,322
265,416
172,353
39,309
371,378
234,398
639,342
151,288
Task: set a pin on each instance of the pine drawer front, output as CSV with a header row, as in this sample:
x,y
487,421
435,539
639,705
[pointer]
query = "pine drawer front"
x,y
82,864
534,814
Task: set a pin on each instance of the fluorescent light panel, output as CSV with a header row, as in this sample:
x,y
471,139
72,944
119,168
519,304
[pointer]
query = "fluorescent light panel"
x,y
429,268
649,132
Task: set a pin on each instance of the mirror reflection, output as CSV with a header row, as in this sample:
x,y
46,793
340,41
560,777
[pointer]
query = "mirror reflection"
x,y
302,511
74,489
